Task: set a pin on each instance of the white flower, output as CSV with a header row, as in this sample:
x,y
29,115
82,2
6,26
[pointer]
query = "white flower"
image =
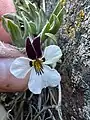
x,y
41,75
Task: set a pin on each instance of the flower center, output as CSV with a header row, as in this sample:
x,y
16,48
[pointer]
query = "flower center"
x,y
38,66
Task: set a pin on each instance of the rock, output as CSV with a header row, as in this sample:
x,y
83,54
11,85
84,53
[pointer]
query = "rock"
x,y
75,70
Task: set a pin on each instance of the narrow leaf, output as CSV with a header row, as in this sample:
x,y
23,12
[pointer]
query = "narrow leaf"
x,y
27,29
56,10
4,23
12,16
15,34
43,18
33,27
45,30
51,36
55,25
60,15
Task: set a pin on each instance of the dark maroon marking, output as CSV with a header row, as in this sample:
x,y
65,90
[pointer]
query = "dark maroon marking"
x,y
43,59
37,46
30,63
31,53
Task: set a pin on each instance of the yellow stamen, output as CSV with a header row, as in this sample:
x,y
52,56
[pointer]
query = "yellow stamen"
x,y
38,66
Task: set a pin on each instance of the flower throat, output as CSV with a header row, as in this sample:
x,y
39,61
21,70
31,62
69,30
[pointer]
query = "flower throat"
x,y
38,66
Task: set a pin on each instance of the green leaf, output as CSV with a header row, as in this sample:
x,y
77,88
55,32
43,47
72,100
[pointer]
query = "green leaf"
x,y
22,8
4,23
60,15
26,2
43,18
27,29
15,34
28,16
57,8
51,36
26,13
38,22
56,18
54,27
45,30
32,12
12,16
33,27
32,7
29,12
55,11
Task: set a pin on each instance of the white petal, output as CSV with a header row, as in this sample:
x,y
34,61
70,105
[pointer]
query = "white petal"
x,y
53,65
50,77
20,67
35,82
52,54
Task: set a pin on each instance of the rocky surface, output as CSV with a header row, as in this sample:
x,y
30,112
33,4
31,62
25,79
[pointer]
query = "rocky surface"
x,y
75,69
75,72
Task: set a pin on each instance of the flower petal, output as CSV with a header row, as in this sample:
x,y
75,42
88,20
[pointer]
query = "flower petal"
x,y
33,49
35,82
50,77
52,54
37,46
31,53
20,67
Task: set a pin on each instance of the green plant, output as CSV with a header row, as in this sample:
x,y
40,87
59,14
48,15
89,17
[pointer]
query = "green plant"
x,y
32,21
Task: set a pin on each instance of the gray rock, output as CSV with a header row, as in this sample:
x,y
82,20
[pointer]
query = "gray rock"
x,y
75,70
